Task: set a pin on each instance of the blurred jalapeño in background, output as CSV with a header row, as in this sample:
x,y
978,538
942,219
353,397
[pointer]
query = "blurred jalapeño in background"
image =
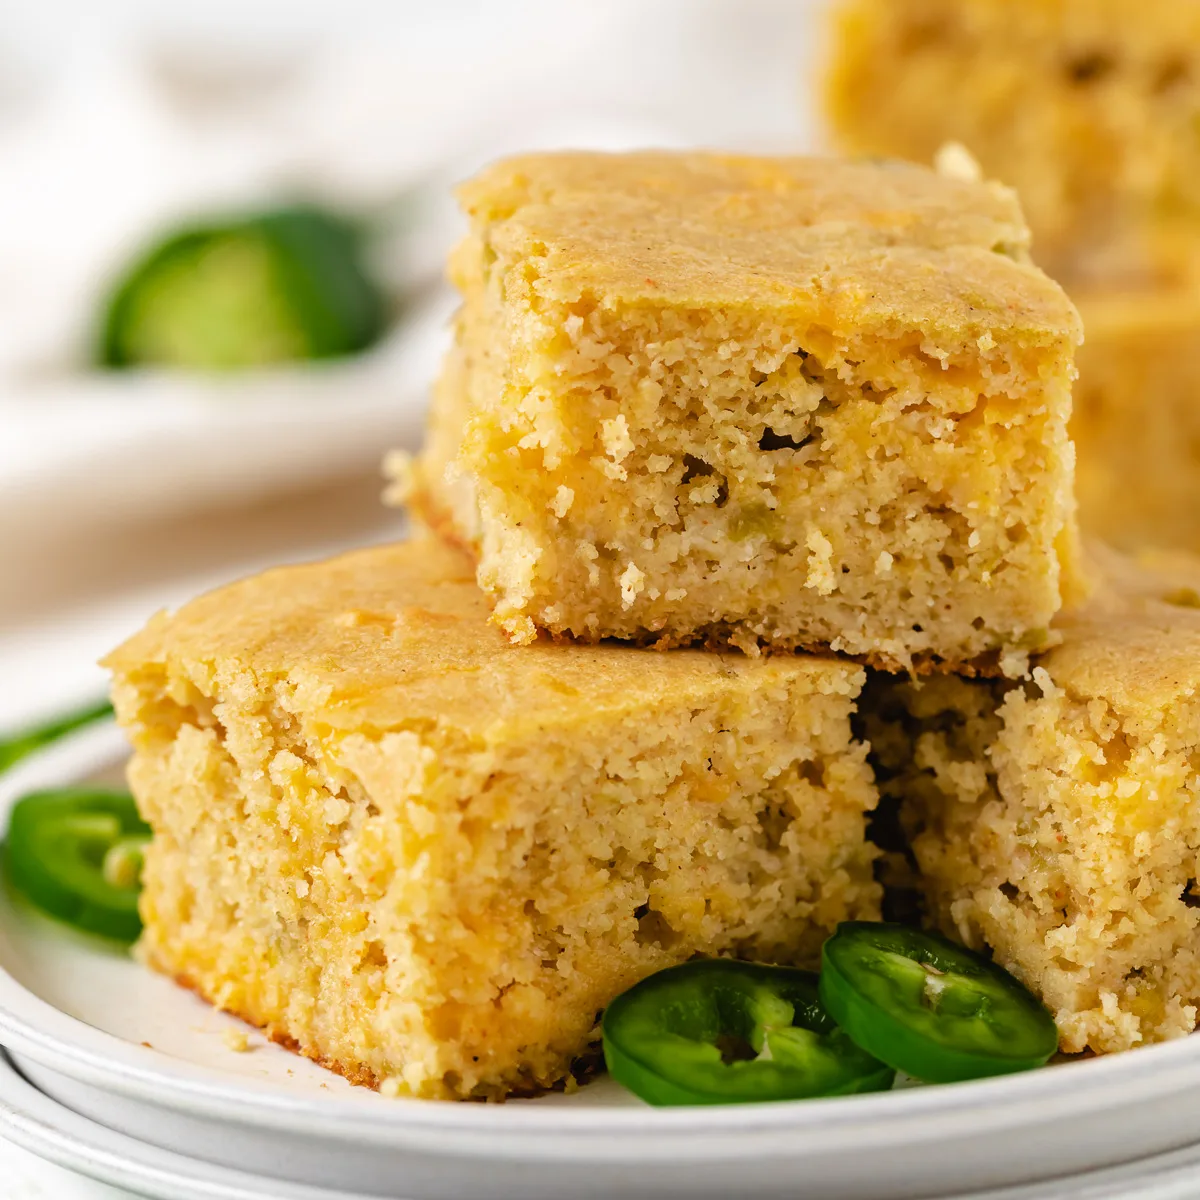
x,y
283,285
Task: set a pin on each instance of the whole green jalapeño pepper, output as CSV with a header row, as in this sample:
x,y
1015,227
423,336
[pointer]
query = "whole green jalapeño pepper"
x,y
76,853
930,1008
715,1031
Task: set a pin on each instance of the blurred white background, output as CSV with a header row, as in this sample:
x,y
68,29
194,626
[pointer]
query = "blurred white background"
x,y
118,116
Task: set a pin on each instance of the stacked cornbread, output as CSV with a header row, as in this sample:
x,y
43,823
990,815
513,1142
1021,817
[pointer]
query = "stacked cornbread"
x,y
1089,108
422,811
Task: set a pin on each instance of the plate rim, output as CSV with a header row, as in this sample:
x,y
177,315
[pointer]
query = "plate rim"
x,y
51,1130
32,1026
47,1128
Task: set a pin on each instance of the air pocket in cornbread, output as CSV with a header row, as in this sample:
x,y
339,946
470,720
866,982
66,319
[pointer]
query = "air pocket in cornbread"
x,y
782,402
425,857
1058,822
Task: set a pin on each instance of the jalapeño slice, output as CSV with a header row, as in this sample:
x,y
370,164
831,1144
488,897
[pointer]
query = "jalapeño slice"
x,y
76,854
284,285
930,1008
715,1031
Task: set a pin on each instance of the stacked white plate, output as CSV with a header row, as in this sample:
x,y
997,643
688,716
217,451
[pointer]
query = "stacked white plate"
x,y
124,1076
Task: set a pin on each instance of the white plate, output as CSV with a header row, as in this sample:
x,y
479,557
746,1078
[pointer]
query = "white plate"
x,y
47,1128
41,1125
76,1019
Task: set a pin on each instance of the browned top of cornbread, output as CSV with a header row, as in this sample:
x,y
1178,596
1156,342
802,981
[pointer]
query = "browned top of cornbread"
x,y
845,244
398,637
1136,642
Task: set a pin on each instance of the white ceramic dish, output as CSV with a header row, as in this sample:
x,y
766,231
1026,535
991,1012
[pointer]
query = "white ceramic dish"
x,y
51,1130
131,1051
44,1127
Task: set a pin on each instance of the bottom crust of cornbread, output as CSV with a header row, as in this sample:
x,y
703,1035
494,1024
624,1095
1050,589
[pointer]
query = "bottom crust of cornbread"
x,y
586,1066
441,524
352,1073
429,860
1057,822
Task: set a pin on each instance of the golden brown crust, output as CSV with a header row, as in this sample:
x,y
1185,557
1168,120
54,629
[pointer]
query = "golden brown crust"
x,y
396,637
355,1073
874,242
722,637
1136,642
689,389
1056,822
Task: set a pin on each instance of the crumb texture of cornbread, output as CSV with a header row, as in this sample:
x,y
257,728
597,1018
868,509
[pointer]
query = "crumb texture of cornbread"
x,y
1087,107
1136,420
782,402
1058,822
429,860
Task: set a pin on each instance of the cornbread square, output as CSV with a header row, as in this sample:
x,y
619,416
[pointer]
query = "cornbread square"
x,y
1087,107
429,860
1058,822
791,402
1136,420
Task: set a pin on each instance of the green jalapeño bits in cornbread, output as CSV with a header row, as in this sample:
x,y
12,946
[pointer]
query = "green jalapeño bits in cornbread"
x,y
429,860
284,285
699,398
1057,822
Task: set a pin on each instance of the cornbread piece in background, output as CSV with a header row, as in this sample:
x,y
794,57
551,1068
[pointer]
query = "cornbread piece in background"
x,y
793,402
429,860
1137,417
1058,822
1087,107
